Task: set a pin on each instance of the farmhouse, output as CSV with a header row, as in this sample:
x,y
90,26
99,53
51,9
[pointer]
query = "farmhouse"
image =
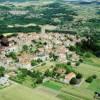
x,y
68,77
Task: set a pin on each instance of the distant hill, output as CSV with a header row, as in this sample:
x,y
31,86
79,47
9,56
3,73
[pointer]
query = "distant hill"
x,y
16,0
84,1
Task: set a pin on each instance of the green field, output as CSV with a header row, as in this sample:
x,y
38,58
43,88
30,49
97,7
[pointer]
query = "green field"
x,y
88,70
95,86
19,92
53,85
68,92
65,92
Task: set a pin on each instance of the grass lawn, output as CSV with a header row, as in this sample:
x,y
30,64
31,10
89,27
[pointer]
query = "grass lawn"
x,y
20,92
53,85
95,86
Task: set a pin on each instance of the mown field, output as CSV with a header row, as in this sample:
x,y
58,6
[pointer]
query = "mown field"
x,y
20,92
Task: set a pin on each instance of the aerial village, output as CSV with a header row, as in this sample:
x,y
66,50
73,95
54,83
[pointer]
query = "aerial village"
x,y
49,50
27,51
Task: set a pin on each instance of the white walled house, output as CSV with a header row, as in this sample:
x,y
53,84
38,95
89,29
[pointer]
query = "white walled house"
x,y
68,77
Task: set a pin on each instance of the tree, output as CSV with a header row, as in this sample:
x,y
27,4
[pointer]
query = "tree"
x,y
39,60
89,79
52,55
72,48
69,63
81,60
25,48
48,73
33,63
79,76
55,57
67,67
24,72
2,71
94,76
39,80
12,55
73,81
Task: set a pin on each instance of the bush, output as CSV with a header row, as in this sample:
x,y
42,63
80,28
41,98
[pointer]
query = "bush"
x,y
89,79
73,81
25,48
